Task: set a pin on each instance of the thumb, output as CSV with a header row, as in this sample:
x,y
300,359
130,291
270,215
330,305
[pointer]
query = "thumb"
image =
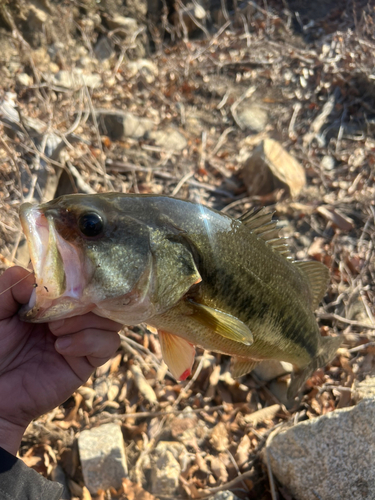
x,y
16,285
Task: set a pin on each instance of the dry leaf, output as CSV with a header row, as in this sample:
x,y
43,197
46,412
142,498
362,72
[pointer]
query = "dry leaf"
x,y
261,415
134,491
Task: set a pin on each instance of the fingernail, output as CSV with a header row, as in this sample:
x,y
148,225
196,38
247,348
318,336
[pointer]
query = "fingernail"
x,y
56,325
63,342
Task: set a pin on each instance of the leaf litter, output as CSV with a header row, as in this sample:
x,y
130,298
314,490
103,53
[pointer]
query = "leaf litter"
x,y
315,86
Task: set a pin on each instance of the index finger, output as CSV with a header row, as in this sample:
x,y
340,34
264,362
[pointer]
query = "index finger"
x,y
16,285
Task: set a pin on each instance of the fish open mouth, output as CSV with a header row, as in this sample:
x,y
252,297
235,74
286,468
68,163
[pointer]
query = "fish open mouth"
x,y
57,265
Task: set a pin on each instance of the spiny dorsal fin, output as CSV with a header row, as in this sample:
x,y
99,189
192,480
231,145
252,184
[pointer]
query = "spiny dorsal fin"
x,y
260,222
318,277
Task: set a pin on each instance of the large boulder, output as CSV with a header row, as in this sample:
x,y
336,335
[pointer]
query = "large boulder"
x,y
330,457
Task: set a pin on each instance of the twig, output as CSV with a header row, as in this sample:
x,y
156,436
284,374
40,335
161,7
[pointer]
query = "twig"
x,y
181,183
345,320
226,486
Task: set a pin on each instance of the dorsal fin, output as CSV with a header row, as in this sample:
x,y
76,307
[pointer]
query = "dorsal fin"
x,y
318,278
260,222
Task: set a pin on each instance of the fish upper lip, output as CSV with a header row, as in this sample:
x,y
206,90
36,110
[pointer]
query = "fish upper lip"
x,y
50,254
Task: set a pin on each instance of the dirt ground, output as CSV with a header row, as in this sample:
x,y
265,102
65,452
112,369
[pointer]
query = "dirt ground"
x,y
306,79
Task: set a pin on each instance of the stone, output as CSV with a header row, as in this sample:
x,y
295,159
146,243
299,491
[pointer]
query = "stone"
x,y
329,457
328,163
271,369
76,78
252,117
24,79
145,67
364,389
122,124
169,139
102,455
103,50
165,472
224,495
271,167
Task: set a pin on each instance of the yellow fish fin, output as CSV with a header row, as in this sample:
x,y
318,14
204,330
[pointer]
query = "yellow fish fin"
x,y
317,275
241,366
259,222
178,354
222,323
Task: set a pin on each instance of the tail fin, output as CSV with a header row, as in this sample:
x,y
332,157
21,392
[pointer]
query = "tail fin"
x,y
327,351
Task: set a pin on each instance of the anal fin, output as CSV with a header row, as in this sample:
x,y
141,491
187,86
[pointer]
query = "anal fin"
x,y
242,366
177,353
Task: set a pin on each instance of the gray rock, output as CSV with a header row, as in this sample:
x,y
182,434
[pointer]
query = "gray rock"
x,y
170,139
120,125
252,117
102,454
224,495
103,49
165,473
329,457
364,389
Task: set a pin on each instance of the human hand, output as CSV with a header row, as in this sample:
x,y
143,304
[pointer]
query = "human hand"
x,y
37,370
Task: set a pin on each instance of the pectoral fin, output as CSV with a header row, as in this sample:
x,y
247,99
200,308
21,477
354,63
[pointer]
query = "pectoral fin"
x,y
177,353
223,324
242,366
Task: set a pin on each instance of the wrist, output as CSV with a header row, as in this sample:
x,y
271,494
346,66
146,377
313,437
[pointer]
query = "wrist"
x,y
10,436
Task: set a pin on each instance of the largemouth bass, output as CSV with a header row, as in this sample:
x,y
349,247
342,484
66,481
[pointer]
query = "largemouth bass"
x,y
200,277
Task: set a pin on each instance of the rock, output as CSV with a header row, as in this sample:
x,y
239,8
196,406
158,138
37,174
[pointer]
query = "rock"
x,y
328,163
103,49
165,472
328,457
270,369
120,125
252,117
224,495
102,454
143,66
24,79
270,167
364,389
127,26
170,139
76,78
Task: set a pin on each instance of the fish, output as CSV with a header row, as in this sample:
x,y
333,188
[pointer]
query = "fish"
x,y
196,275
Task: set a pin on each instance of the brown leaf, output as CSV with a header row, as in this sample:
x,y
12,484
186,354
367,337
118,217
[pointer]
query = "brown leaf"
x,y
135,491
243,450
219,437
261,415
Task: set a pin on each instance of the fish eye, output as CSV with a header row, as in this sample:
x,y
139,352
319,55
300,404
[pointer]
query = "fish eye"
x,y
90,225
